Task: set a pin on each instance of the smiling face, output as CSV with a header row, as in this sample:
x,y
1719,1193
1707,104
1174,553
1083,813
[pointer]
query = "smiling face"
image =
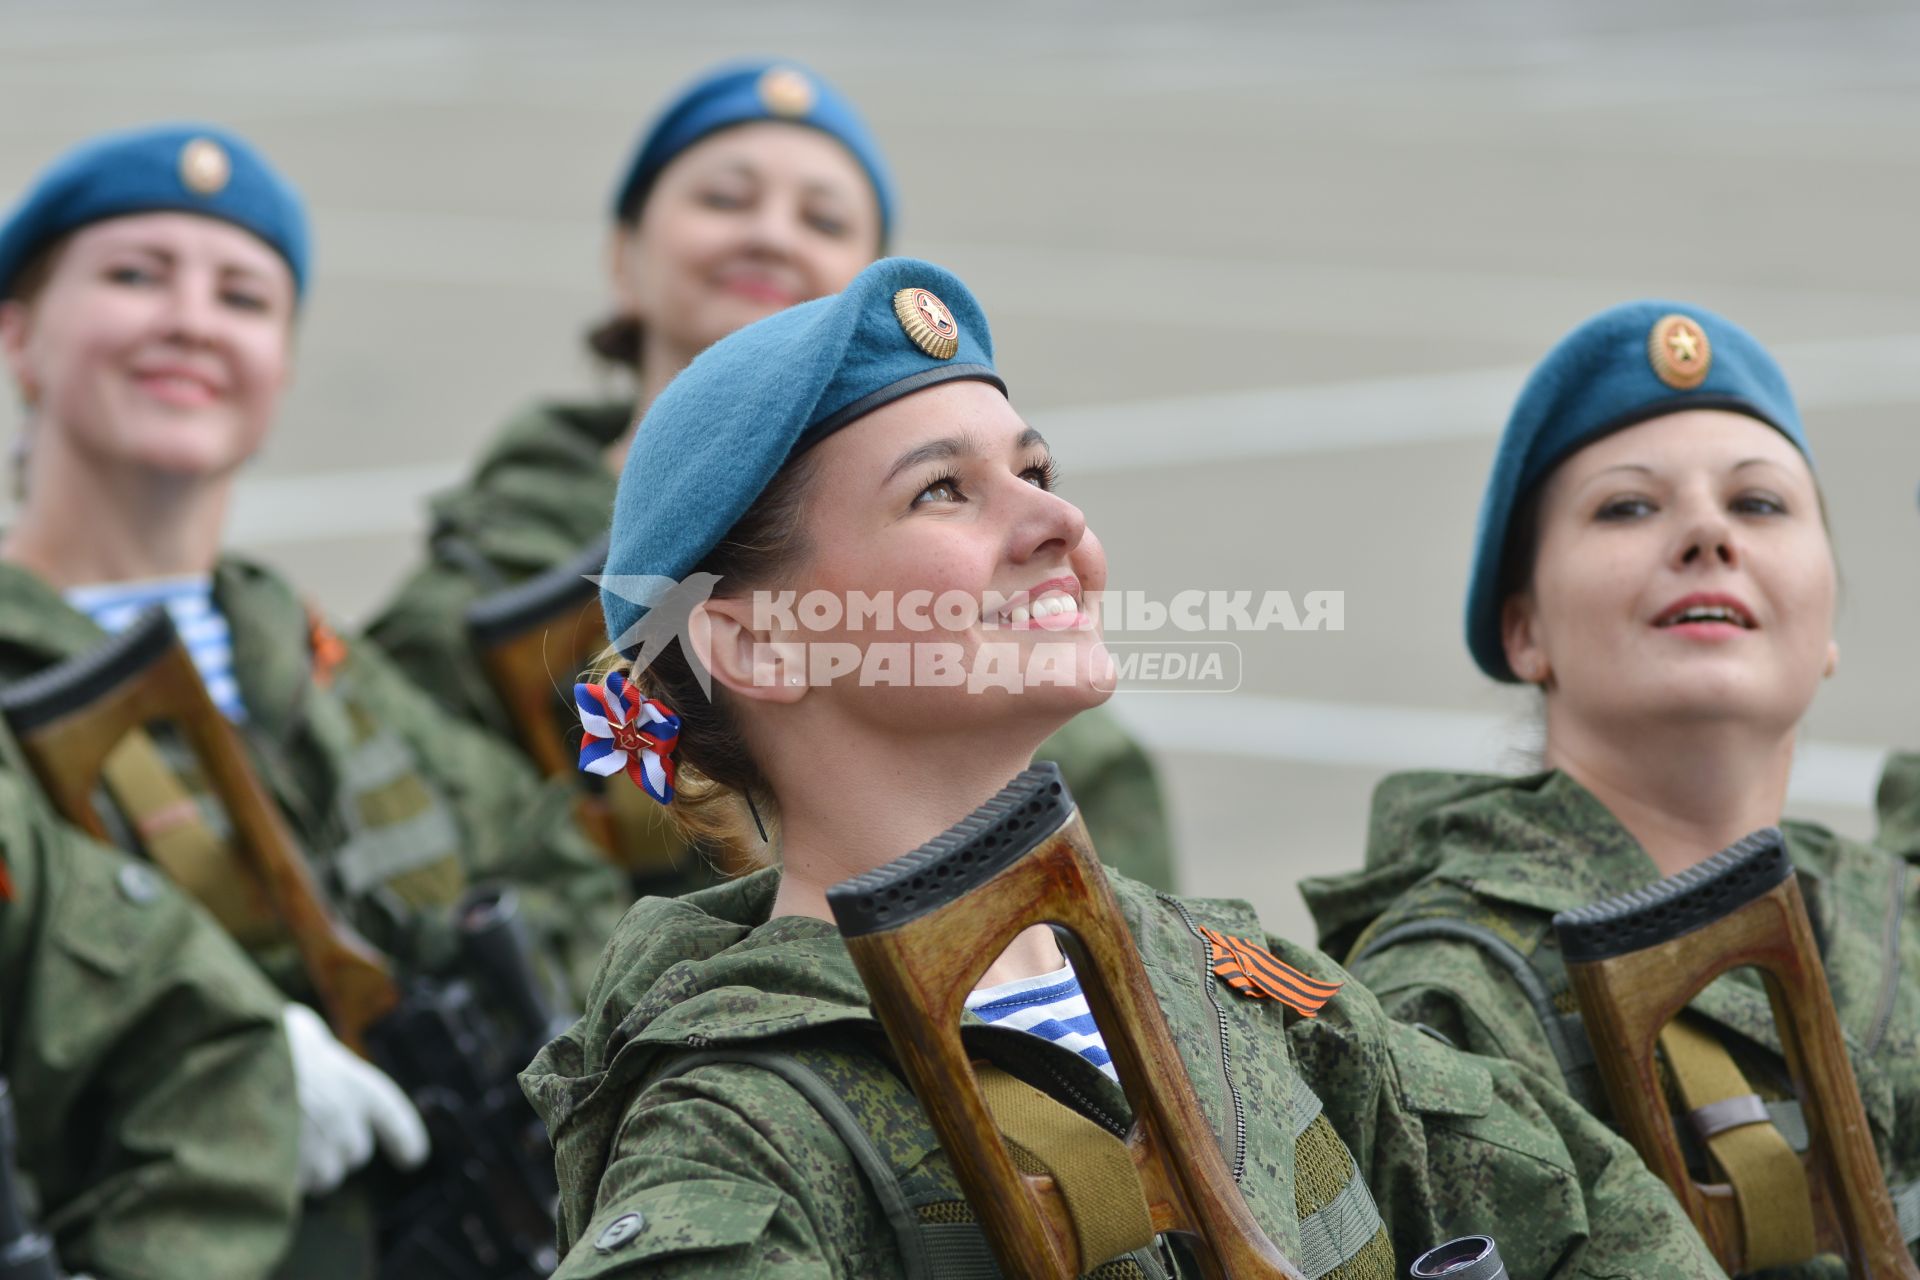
x,y
948,493
740,225
158,342
1683,572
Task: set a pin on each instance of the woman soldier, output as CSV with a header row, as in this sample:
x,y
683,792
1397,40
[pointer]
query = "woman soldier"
x,y
864,443
757,187
148,1071
150,284
1653,557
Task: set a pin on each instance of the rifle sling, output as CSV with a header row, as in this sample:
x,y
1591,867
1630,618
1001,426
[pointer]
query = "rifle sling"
x,y
177,837
1769,1182
1092,1168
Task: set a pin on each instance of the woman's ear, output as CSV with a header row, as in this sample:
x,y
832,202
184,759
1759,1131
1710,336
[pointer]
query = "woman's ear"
x,y
14,328
1833,659
749,662
1520,637
623,270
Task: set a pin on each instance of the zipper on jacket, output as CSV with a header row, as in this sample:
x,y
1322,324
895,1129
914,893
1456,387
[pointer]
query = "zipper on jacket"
x,y
1226,1053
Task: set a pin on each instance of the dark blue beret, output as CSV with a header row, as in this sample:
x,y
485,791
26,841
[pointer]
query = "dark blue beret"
x,y
740,93
188,168
715,438
1630,363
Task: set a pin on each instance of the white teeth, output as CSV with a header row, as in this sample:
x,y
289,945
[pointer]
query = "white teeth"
x,y
1709,613
1018,615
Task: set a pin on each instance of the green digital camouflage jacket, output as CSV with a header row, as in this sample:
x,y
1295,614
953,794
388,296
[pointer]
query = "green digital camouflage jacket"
x,y
149,1072
1505,854
725,1169
399,806
1898,803
542,492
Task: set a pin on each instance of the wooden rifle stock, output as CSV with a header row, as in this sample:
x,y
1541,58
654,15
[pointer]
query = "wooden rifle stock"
x,y
1637,960
923,929
70,718
530,635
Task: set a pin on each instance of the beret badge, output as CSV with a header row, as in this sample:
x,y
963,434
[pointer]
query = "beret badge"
x,y
928,322
205,167
1679,351
786,92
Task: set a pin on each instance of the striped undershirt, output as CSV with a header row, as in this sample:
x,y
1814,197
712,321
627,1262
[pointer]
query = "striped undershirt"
x,y
203,628
1051,1006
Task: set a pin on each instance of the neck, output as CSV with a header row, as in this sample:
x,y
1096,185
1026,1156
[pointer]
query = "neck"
x,y
660,363
82,523
1685,792
888,797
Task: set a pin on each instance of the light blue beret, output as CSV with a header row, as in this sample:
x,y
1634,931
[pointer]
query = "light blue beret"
x,y
716,437
1630,363
188,168
740,93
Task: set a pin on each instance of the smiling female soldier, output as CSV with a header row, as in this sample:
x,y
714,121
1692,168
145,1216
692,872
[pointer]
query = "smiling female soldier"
x,y
865,443
149,286
758,186
1653,556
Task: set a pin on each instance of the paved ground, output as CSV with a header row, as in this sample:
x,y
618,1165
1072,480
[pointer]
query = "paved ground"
x,y
1268,274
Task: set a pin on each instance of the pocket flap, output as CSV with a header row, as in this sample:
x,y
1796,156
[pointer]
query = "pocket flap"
x,y
1436,1079
696,1216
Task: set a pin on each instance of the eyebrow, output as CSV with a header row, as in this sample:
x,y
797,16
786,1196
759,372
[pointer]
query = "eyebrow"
x,y
951,447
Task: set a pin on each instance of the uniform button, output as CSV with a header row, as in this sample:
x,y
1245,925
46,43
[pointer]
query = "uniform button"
x,y
620,1231
139,884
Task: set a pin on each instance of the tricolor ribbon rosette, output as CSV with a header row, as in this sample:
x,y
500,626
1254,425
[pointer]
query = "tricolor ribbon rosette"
x,y
627,732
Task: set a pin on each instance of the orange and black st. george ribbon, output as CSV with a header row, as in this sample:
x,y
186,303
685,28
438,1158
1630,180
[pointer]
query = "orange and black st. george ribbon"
x,y
1255,971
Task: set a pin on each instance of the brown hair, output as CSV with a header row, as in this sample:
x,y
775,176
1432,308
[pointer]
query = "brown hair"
x,y
718,775
617,340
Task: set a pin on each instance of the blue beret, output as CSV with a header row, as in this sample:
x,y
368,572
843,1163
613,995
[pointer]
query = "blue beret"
x,y
189,168
716,437
740,93
1632,362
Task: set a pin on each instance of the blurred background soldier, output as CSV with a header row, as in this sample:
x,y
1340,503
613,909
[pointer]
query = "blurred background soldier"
x,y
151,283
148,1070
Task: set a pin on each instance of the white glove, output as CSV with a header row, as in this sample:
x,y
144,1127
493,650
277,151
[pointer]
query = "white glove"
x,y
346,1104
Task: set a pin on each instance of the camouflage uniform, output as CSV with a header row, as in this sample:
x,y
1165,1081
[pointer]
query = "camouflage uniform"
x,y
1899,805
541,493
148,1067
726,1170
398,806
1505,854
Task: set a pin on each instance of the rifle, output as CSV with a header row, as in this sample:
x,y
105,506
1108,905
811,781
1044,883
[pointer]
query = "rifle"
x,y
485,1203
25,1251
1637,960
921,931
551,626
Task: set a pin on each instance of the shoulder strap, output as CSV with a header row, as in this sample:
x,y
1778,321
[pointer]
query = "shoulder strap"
x,y
1566,1034
1769,1182
915,1256
934,1249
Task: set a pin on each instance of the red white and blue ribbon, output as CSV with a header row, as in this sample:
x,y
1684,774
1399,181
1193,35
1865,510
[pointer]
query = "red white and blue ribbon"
x,y
627,732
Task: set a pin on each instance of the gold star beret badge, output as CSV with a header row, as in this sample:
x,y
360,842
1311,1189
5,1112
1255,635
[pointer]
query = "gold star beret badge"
x,y
205,167
1680,352
928,322
786,92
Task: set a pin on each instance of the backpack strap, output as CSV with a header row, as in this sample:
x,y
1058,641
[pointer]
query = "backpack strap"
x,y
1566,1034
